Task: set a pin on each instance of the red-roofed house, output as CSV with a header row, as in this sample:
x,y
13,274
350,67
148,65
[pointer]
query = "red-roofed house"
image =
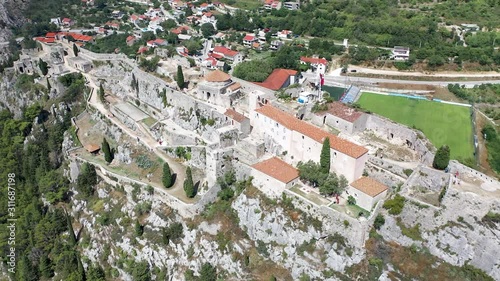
x,y
45,40
303,141
367,192
130,40
113,25
143,49
318,64
234,56
279,78
249,39
50,35
157,42
272,4
284,34
67,22
273,176
208,18
179,29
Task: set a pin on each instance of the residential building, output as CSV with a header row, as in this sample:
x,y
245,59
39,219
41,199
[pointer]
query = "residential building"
x,y
156,43
117,14
56,21
367,192
234,56
249,39
298,140
292,5
318,65
180,29
130,40
279,78
400,53
67,22
272,4
275,45
284,34
273,176
208,18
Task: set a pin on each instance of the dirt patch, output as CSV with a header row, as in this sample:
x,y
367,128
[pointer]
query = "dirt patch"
x,y
444,94
407,86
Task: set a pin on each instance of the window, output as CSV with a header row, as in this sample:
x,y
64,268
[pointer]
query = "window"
x,y
334,154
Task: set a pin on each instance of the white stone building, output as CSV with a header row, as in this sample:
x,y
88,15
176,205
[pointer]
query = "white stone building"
x,y
341,117
218,88
273,176
298,140
367,192
239,120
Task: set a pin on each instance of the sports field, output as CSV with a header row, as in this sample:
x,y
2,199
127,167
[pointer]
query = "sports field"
x,y
441,123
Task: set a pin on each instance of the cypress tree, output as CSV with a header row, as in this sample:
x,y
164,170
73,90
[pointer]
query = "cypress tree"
x,y
442,158
75,50
48,85
188,184
108,154
139,229
180,77
101,93
324,159
43,67
167,176
72,237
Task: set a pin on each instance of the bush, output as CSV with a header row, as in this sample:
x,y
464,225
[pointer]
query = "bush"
x,y
442,158
173,232
408,172
351,200
379,221
395,205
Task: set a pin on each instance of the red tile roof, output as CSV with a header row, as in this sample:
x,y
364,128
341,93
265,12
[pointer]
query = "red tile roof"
x,y
217,76
277,78
369,186
236,116
130,38
77,36
225,51
45,40
342,111
278,169
208,15
212,61
143,49
314,60
249,38
344,146
50,35
179,29
217,56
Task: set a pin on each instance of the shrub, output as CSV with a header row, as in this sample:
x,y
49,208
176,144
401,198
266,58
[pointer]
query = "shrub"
x,y
395,205
408,172
351,200
379,221
442,158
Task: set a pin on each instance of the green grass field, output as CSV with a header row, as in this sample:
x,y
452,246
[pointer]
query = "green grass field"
x,y
441,123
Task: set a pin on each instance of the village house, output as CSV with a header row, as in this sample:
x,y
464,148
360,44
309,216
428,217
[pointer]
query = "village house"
x,y
272,4
130,40
249,39
213,63
237,119
181,29
279,78
400,53
273,176
117,14
284,34
234,56
367,192
298,140
156,43
56,21
208,18
341,117
275,45
291,5
318,65
67,22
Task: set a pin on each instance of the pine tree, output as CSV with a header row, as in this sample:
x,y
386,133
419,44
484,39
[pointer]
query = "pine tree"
x,y
75,50
81,269
180,77
95,273
45,267
442,158
167,176
48,85
108,154
188,184
324,159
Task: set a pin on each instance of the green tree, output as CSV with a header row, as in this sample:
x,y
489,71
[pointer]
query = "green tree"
x,y
167,176
48,85
180,77
188,184
139,229
32,111
351,200
141,271
75,50
442,158
95,273
324,160
87,179
330,186
43,67
207,29
72,236
101,93
208,272
26,271
108,154
45,267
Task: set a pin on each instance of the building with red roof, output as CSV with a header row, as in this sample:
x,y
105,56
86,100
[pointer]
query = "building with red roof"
x,y
67,22
318,65
303,141
367,192
179,29
234,56
249,39
279,78
341,117
237,119
273,176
